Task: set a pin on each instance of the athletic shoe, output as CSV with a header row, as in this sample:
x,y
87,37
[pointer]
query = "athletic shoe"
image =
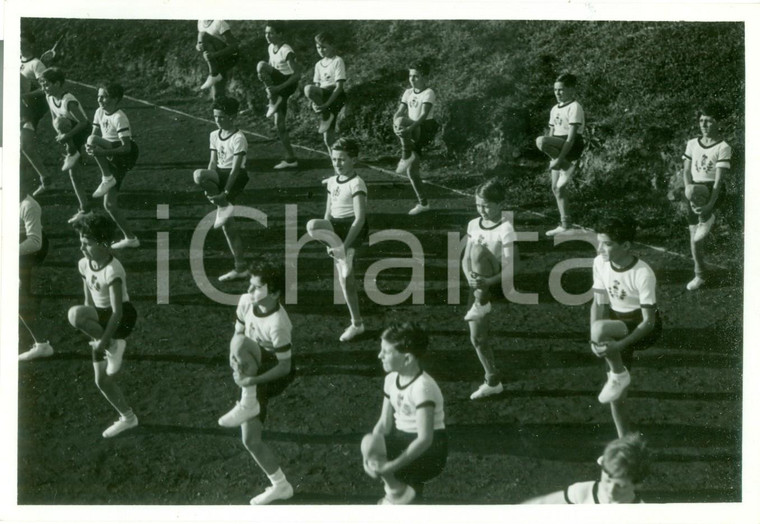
x,y
223,214
105,186
478,311
695,283
234,275
210,81
42,188
703,228
325,123
70,161
123,424
419,208
405,498
403,165
351,332
282,491
557,230
38,350
126,242
237,415
115,355
486,391
285,164
272,107
346,264
79,214
616,384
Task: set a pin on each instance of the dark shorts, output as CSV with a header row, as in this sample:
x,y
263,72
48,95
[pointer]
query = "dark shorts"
x,y
237,187
631,321
425,135
578,146
225,63
269,390
342,226
425,467
278,78
121,164
127,323
80,138
691,217
32,110
339,101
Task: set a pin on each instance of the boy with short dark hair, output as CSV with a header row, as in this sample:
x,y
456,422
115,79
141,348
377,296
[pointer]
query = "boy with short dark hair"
x,y
326,93
116,153
225,178
71,125
280,76
415,125
706,162
624,316
408,445
220,51
624,464
107,316
262,364
563,145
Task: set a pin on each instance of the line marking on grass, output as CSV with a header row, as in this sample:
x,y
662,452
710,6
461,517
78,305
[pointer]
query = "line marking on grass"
x,y
386,171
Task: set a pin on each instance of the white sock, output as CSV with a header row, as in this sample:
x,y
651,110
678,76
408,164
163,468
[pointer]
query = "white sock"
x,y
248,395
277,478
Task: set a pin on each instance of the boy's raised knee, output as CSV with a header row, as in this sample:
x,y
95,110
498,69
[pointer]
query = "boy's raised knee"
x,y
74,315
199,175
62,125
540,143
605,330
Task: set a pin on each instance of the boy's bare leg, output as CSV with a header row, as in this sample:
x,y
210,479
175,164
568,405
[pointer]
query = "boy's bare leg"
x,y
82,197
351,294
416,180
620,415
261,453
111,205
107,385
697,252
479,339
282,133
235,242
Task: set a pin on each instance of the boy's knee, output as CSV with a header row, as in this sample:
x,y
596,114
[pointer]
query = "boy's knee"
x,y
201,175
240,342
540,143
373,446
76,315
605,330
311,90
91,140
312,226
62,125
263,68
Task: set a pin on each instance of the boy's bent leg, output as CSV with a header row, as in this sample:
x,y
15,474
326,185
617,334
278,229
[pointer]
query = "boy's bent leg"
x,y
414,177
697,254
373,452
85,319
282,132
550,145
208,180
82,197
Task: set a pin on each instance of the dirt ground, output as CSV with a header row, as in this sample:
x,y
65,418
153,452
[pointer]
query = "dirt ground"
x,y
543,433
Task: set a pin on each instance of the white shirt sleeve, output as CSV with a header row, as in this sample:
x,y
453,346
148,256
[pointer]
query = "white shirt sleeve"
x,y
576,115
340,69
646,282
724,156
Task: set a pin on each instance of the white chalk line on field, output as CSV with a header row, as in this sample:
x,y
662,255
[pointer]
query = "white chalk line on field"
x,y
387,171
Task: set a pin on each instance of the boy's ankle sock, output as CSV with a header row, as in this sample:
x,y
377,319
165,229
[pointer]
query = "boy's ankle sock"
x,y
278,477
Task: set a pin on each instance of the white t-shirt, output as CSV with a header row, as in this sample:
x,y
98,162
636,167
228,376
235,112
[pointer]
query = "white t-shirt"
x,y
271,331
420,392
31,69
629,288
112,127
61,107
213,27
414,102
30,226
227,147
497,239
705,160
279,59
328,71
342,193
562,117
588,493
100,280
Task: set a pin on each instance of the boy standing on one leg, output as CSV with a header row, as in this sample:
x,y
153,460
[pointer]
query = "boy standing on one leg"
x,y
624,315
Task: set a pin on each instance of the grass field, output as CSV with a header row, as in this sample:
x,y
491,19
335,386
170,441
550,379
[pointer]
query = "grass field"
x,y
544,432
